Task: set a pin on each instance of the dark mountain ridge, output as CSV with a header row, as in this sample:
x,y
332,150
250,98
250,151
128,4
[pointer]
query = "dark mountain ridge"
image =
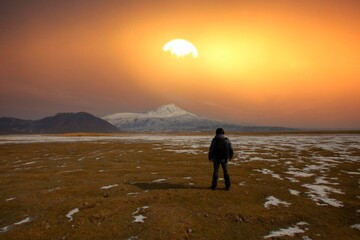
x,y
60,123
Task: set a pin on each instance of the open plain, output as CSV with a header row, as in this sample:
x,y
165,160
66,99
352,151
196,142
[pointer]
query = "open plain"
x,y
156,186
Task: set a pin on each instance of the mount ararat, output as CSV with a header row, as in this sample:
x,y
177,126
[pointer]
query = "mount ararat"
x,y
171,118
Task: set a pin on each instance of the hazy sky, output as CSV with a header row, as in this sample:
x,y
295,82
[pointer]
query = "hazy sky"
x,y
284,63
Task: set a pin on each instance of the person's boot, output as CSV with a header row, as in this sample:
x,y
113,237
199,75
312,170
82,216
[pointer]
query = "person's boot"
x,y
214,183
227,181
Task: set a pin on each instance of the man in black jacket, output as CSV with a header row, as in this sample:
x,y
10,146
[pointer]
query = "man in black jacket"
x,y
220,152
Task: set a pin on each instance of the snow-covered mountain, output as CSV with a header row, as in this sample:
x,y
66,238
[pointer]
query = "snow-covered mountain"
x,y
165,111
164,118
171,118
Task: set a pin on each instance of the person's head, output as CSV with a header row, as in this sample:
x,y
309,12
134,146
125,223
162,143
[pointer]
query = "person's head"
x,y
220,131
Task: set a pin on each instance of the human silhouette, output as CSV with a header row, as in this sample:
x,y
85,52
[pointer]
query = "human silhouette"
x,y
220,152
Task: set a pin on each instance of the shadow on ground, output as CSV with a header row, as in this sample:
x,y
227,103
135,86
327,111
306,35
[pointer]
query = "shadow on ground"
x,y
165,186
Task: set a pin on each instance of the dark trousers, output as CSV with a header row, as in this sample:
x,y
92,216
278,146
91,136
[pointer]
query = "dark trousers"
x,y
216,173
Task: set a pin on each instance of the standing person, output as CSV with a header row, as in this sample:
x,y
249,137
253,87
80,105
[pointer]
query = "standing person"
x,y
220,152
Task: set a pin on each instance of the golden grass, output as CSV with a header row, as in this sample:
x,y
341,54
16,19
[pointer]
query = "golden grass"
x,y
65,176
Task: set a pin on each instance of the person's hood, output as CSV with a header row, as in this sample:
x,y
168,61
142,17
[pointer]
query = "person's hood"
x,y
219,136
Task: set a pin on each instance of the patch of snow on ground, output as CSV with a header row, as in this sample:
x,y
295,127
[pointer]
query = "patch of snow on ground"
x,y
187,151
291,231
309,168
159,180
277,176
322,180
268,172
273,201
319,194
72,212
294,192
187,178
351,173
7,228
71,171
300,174
29,163
264,171
54,189
140,209
260,159
133,238
233,163
10,199
132,193
26,220
356,226
294,180
139,218
109,186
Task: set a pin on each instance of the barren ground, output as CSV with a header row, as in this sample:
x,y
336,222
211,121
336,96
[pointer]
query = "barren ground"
x,y
291,186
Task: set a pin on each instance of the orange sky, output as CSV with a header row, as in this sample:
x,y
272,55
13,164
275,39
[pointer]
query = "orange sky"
x,y
285,63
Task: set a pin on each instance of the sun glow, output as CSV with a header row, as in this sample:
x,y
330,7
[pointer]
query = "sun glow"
x,y
180,48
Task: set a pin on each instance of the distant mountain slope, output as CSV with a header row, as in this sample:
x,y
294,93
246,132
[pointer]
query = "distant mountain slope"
x,y
60,123
9,125
171,118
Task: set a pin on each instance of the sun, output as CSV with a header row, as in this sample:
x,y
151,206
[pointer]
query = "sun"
x,y
181,48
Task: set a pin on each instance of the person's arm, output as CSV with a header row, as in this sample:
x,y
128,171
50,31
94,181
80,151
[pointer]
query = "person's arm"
x,y
210,155
231,151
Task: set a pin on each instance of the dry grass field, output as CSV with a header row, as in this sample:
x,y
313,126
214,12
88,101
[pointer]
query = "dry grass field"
x,y
287,186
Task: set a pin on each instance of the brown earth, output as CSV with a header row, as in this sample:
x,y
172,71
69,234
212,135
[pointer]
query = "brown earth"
x,y
48,180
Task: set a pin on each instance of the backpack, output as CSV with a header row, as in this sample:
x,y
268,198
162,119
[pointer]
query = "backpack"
x,y
221,148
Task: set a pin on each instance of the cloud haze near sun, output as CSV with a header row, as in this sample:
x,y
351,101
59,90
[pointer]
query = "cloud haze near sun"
x,y
282,63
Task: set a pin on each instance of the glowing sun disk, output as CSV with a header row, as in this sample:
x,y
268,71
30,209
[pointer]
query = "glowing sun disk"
x,y
180,48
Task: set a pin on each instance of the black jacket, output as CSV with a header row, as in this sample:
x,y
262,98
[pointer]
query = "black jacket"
x,y
228,151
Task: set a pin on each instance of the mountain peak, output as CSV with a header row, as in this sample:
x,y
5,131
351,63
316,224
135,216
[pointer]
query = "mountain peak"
x,y
168,110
